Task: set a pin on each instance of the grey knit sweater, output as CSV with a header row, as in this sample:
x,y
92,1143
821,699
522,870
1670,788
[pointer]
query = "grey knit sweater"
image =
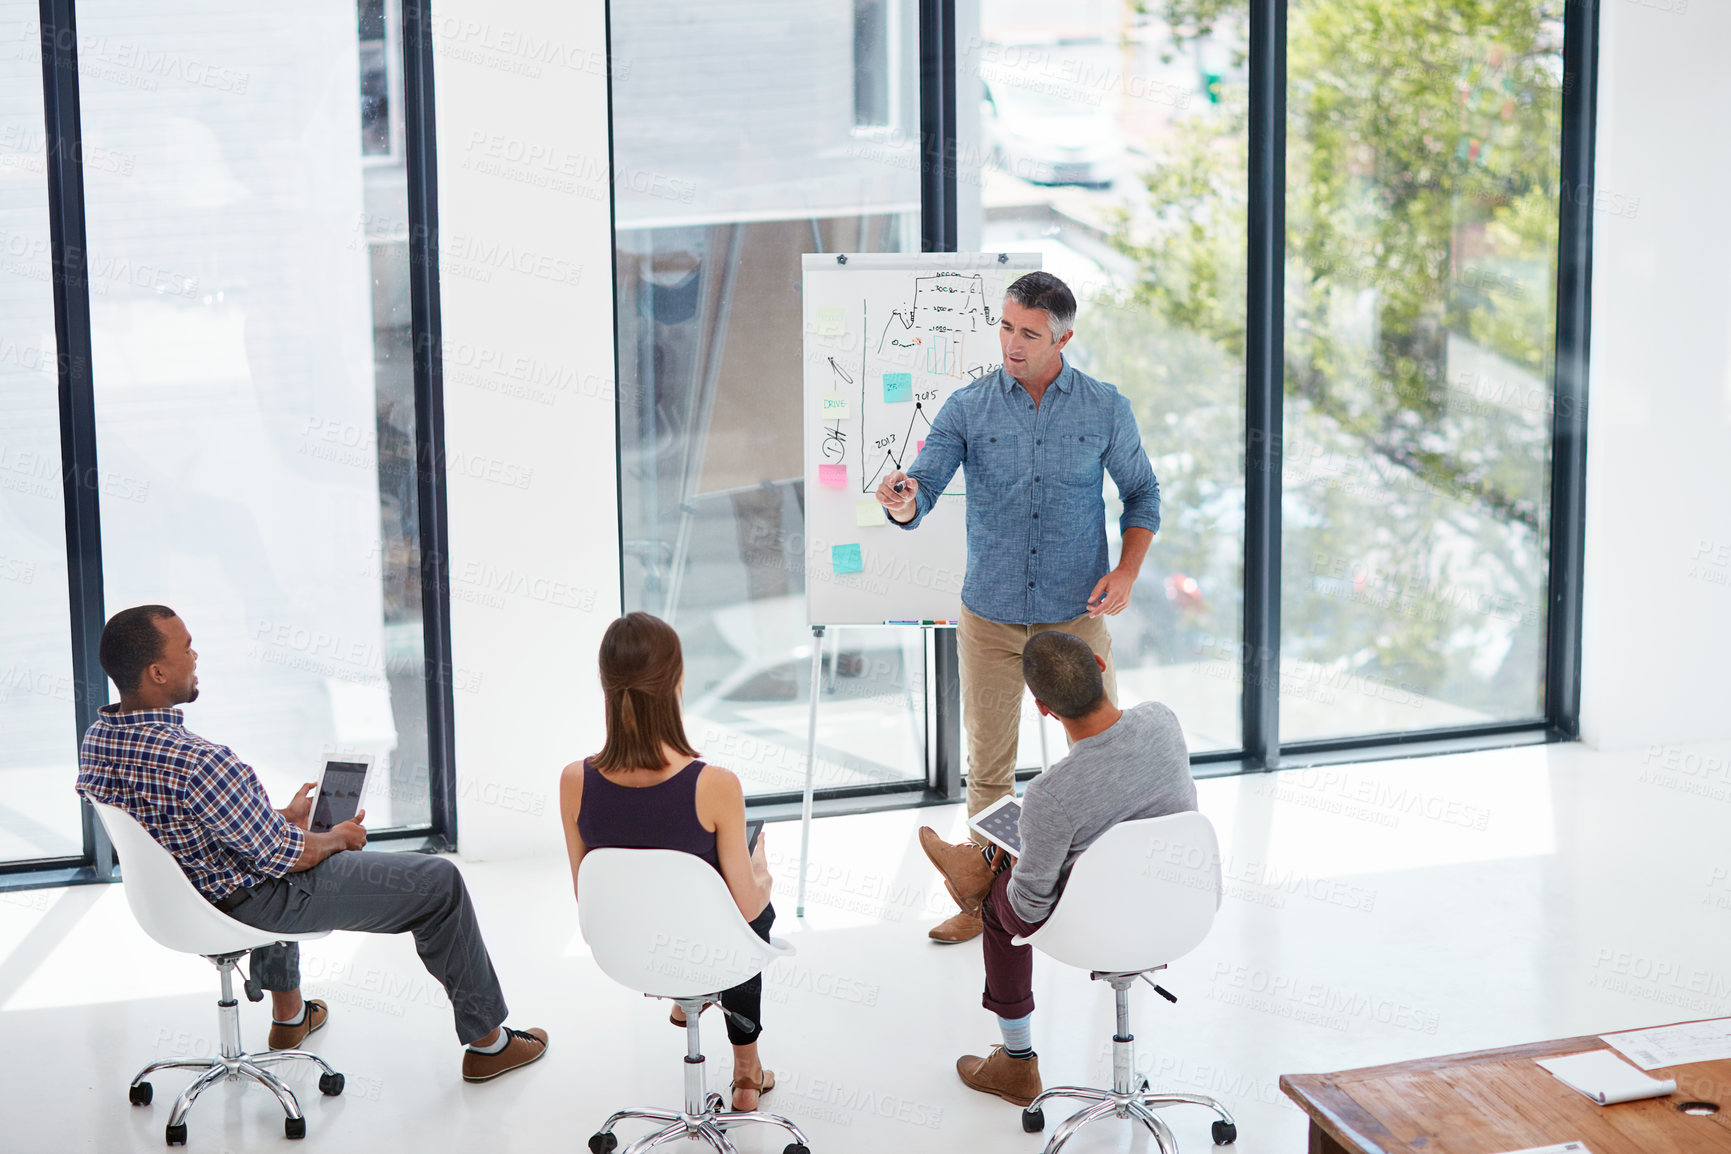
x,y
1137,768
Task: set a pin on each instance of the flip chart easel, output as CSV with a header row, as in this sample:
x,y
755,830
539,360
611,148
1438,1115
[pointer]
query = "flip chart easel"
x,y
888,338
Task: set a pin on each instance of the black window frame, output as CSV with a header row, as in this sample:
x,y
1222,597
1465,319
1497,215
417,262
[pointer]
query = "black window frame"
x,y
78,445
1261,749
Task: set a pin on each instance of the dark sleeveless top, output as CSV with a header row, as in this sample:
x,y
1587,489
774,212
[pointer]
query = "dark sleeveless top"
x,y
659,816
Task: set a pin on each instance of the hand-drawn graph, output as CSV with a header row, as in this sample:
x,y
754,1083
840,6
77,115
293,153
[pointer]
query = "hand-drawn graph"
x,y
889,338
943,339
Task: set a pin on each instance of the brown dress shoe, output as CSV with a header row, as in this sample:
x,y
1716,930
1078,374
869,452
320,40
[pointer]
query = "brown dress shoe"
x,y
290,1037
958,927
966,872
1012,1079
523,1047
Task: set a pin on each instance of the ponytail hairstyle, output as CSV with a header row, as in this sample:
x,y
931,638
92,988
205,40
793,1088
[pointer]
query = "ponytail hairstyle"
x,y
641,671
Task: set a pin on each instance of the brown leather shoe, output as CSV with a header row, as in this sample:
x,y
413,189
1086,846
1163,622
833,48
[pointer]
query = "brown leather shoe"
x,y
525,1046
967,873
1012,1079
958,927
290,1037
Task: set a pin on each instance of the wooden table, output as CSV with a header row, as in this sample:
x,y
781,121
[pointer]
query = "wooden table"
x,y
1494,1101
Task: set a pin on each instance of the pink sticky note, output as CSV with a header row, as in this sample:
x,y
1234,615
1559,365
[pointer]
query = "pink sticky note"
x,y
832,475
919,446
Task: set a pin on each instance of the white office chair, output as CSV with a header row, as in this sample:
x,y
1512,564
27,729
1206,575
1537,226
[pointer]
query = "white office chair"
x,y
172,911
663,923
1141,896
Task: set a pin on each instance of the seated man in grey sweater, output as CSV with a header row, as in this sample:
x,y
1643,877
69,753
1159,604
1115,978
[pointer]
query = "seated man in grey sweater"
x,y
1122,765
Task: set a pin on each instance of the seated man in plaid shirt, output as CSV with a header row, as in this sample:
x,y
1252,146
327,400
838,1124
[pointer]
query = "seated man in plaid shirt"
x,y
263,866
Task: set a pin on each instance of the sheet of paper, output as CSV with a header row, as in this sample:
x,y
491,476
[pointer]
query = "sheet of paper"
x,y
898,387
1675,1045
846,559
833,406
1560,1148
1606,1078
868,514
830,322
832,475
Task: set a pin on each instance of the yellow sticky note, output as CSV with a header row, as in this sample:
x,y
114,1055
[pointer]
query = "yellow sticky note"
x,y
830,322
868,514
833,406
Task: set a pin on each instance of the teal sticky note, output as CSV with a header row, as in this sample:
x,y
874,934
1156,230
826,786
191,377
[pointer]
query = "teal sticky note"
x,y
846,559
898,387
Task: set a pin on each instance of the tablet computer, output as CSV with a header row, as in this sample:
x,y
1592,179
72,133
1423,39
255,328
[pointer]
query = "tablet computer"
x,y
1001,824
752,830
341,786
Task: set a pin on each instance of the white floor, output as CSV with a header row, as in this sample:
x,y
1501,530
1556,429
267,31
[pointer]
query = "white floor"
x,y
1373,913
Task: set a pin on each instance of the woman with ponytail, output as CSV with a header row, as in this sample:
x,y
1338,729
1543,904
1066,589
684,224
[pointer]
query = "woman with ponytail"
x,y
647,789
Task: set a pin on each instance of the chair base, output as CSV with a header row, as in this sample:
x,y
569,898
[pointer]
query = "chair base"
x,y
1128,1098
1135,1107
233,1063
702,1119
710,1127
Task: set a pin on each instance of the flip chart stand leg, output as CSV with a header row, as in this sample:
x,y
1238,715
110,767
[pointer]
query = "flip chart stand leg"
x,y
1045,758
810,765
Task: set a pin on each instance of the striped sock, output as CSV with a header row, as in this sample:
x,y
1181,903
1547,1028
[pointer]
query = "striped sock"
x,y
1018,1036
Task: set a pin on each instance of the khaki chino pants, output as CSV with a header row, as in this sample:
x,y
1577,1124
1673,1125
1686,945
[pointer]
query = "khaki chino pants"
x,y
993,690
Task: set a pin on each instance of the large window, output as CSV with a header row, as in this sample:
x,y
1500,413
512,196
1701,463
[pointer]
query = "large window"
x,y
1407,390
744,136
1112,144
1421,207
38,811
208,397
252,371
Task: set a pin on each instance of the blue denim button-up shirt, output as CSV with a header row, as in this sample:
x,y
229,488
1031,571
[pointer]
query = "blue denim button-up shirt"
x,y
1036,507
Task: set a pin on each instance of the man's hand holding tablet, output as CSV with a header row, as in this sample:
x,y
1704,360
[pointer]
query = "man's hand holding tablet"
x,y
340,789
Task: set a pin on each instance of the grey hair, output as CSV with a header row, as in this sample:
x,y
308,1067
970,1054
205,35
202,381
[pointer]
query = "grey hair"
x,y
1043,291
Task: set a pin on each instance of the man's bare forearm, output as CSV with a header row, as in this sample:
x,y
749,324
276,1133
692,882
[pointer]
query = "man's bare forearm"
x,y
320,846
1135,549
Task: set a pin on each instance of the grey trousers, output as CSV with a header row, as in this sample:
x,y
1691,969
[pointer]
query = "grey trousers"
x,y
382,893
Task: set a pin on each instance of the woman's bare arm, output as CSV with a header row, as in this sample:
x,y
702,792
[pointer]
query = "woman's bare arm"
x,y
721,807
570,800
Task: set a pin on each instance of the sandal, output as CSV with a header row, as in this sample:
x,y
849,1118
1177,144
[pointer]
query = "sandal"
x,y
760,1086
678,1022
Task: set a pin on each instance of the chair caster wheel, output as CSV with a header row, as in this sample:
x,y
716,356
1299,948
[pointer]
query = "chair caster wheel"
x,y
1033,1120
603,1143
714,1103
176,1135
1225,1133
796,1148
294,1127
139,1095
330,1085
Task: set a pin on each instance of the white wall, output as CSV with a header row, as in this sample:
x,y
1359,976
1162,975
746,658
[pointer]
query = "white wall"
x,y
526,259
1658,606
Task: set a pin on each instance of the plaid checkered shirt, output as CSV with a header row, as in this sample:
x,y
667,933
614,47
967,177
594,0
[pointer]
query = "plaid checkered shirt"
x,y
201,802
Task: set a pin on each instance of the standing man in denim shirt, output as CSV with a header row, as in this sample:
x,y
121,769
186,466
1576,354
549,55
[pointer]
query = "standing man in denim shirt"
x,y
1035,440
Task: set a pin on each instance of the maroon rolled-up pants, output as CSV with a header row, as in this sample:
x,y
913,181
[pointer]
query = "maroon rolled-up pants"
x,y
1009,968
